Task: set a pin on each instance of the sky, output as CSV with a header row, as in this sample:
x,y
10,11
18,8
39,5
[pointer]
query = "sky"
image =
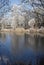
x,y
15,2
18,2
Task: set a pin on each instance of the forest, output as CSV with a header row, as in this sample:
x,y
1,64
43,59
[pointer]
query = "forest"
x,y
27,14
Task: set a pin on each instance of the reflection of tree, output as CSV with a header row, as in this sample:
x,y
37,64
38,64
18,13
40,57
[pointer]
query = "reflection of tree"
x,y
42,42
3,37
36,37
14,43
0,35
17,44
26,40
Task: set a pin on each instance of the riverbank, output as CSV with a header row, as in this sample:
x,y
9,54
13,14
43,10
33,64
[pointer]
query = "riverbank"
x,y
22,30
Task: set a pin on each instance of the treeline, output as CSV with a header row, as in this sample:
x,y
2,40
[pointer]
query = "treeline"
x,y
20,15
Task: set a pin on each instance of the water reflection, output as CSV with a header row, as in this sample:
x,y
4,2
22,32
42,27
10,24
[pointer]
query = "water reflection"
x,y
2,37
21,49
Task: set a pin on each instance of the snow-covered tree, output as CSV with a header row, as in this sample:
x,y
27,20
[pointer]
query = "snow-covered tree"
x,y
37,7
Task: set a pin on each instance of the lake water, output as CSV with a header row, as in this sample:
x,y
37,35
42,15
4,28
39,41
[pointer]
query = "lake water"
x,y
21,49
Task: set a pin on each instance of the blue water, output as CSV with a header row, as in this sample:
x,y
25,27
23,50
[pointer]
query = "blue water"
x,y
21,49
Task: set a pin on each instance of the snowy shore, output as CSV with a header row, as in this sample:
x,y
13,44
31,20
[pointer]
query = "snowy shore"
x,y
22,30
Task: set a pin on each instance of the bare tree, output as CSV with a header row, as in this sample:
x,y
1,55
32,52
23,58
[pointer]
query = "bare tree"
x,y
38,9
4,7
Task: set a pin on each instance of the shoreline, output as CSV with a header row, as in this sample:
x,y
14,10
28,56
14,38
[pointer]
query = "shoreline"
x,y
22,30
